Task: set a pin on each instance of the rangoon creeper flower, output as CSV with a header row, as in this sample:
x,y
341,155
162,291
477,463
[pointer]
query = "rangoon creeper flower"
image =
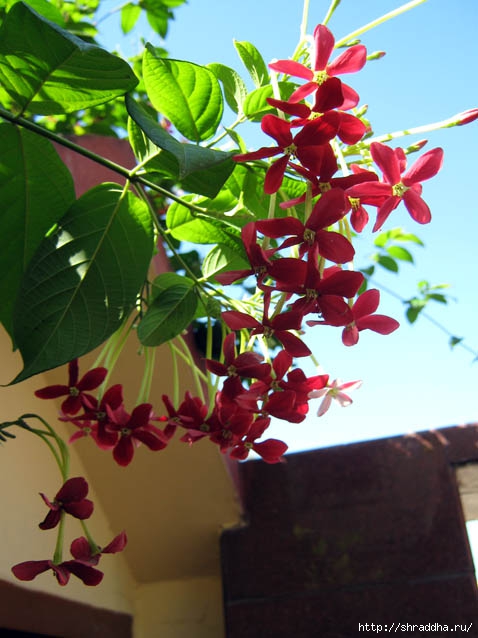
x,y
76,389
335,391
330,92
71,498
398,186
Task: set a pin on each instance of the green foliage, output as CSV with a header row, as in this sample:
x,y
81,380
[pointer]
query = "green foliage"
x,y
76,291
46,70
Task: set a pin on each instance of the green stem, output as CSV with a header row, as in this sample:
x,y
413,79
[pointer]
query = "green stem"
x,y
174,356
417,130
93,546
333,6
305,20
58,554
378,21
117,168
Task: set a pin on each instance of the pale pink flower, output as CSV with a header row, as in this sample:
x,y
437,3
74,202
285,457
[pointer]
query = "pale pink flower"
x,y
334,390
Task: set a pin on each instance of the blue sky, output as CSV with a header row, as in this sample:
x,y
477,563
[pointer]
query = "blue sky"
x,y
411,379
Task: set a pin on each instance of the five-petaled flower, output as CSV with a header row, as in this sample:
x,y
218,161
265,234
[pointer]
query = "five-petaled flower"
x,y
398,184
71,498
76,390
334,390
330,91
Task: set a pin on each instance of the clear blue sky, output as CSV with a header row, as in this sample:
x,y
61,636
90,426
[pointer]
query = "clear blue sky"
x,y
411,380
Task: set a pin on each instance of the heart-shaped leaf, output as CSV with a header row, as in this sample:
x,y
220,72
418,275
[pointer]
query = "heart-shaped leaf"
x,y
171,312
36,189
198,169
187,94
84,279
46,70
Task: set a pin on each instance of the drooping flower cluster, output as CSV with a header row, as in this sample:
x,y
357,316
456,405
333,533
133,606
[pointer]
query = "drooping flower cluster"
x,y
70,499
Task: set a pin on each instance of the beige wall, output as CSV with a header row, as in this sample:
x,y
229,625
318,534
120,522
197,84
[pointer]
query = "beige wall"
x,y
27,468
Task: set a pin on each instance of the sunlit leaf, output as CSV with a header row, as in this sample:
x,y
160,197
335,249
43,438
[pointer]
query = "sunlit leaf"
x,y
83,280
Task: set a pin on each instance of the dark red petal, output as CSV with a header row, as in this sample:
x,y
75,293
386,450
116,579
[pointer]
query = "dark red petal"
x,y
124,451
378,323
293,344
351,98
262,153
344,283
89,575
82,510
51,519
81,550
351,129
425,167
334,246
92,379
117,544
330,95
113,396
275,175
73,369
52,391
30,569
324,45
290,67
329,209
71,405
417,208
350,61
387,161
367,303
303,91
153,440
140,416
277,128
74,489
236,320
271,450
280,227
291,108
282,362
384,211
350,335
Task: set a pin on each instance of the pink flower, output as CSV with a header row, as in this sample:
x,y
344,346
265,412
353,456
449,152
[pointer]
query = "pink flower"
x,y
335,390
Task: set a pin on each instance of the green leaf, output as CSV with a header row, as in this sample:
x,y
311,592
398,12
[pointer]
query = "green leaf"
x,y
45,9
256,105
188,227
129,16
47,71
167,280
222,258
454,341
253,61
398,252
235,91
36,189
388,263
187,94
170,313
83,281
198,169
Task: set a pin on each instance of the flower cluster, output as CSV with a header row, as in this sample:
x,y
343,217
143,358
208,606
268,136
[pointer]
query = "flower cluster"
x,y
70,499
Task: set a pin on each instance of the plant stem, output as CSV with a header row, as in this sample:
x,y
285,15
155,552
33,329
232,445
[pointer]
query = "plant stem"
x,y
333,6
117,168
378,21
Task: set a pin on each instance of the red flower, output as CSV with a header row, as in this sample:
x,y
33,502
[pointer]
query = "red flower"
x,y
330,91
30,569
310,146
392,163
83,565
270,450
134,429
365,319
76,390
329,209
71,499
246,364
